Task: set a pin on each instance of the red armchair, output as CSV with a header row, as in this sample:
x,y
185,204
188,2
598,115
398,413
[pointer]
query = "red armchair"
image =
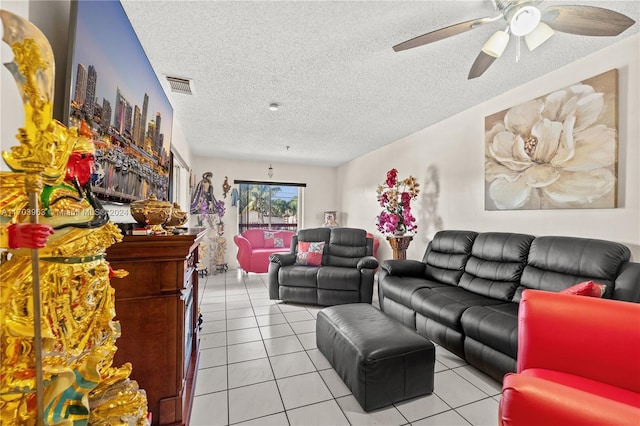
x,y
254,249
577,362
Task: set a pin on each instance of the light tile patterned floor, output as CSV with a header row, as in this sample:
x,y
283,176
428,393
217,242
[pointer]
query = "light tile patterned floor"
x,y
259,365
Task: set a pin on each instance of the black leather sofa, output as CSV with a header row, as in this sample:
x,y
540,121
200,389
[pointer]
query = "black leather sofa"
x,y
345,276
465,292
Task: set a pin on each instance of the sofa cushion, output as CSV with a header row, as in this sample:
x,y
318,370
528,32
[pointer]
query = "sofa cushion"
x,y
255,237
400,289
298,276
556,263
587,288
309,253
337,278
273,239
446,305
260,258
495,326
447,255
347,246
552,398
586,385
496,264
258,237
306,295
313,235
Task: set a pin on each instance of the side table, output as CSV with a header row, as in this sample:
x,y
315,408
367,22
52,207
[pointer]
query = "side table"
x,y
399,245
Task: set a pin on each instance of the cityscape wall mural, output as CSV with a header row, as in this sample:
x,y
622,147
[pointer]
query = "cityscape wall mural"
x,y
114,89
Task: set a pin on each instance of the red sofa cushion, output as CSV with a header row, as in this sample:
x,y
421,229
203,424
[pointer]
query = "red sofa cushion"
x,y
309,253
273,239
587,288
545,397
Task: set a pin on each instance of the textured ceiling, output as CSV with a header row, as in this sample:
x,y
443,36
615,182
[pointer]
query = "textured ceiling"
x,y
342,90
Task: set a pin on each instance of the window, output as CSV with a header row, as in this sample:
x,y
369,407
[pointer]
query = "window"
x,y
179,181
269,205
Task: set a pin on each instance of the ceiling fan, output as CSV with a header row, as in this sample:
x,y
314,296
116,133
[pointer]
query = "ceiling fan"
x,y
525,19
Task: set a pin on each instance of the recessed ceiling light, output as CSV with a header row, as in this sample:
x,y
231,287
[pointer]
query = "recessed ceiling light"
x,y
273,107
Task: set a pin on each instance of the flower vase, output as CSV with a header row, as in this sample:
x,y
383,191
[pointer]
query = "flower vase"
x,y
400,231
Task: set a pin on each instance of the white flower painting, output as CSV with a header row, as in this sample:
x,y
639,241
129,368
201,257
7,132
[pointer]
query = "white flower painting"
x,y
557,151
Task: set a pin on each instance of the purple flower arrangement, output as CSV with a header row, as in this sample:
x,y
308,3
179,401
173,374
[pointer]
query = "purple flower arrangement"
x,y
395,198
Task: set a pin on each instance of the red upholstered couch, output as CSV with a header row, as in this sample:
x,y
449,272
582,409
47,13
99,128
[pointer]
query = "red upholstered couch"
x,y
577,362
254,249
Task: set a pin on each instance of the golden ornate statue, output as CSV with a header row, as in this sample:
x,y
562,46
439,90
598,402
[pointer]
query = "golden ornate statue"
x,y
56,361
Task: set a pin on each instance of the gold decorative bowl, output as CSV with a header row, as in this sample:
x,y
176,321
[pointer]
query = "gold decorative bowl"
x,y
151,212
178,218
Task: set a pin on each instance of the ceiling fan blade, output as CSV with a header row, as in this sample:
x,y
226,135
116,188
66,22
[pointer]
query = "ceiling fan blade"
x,y
586,20
443,33
480,65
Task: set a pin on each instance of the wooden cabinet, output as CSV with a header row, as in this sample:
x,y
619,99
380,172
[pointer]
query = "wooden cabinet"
x,y
156,305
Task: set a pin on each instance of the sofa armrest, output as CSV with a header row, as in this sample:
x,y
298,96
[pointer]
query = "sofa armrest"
x,y
627,286
367,262
580,335
276,261
282,259
404,267
244,251
242,242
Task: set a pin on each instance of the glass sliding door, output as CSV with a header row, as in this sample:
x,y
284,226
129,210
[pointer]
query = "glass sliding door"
x,y
269,206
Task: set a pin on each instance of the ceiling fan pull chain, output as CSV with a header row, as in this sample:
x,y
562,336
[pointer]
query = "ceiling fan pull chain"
x,y
518,49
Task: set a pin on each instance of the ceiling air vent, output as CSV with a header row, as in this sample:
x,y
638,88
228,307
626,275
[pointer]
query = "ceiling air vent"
x,y
180,85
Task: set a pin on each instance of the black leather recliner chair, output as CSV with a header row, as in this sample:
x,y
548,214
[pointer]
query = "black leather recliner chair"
x,y
345,275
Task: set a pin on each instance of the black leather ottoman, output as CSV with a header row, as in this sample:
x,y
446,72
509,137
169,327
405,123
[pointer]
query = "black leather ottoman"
x,y
379,359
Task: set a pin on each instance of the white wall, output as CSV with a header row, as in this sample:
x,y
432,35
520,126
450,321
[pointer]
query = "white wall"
x,y
319,195
454,148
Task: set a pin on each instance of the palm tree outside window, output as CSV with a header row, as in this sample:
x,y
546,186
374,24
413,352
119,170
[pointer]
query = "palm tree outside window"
x,y
269,205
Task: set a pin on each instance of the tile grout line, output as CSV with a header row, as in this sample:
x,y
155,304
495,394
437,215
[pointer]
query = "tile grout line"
x,y
260,289
333,398
316,370
284,408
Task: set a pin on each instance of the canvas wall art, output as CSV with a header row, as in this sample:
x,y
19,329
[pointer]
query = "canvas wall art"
x,y
557,151
115,91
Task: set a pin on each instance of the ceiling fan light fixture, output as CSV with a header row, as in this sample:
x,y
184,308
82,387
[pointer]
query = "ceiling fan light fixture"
x,y
496,44
524,20
539,35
